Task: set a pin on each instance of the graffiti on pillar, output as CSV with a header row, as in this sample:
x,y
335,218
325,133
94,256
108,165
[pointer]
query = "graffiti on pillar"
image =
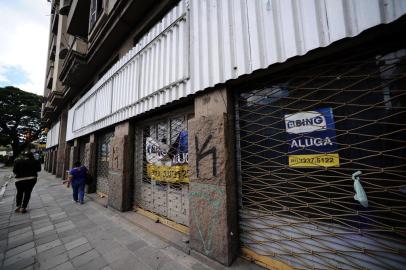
x,y
87,155
115,157
204,152
206,202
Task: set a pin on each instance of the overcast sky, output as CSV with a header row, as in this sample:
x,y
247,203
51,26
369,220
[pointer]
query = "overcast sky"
x,y
24,28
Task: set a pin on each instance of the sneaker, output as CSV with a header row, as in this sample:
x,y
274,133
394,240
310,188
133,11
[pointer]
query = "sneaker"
x,y
23,210
17,209
74,201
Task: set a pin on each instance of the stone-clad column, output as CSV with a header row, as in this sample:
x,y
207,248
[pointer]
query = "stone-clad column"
x,y
46,161
74,153
54,160
120,168
61,153
213,197
90,160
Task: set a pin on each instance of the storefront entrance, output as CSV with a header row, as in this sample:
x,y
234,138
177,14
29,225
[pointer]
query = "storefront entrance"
x,y
161,169
103,157
322,163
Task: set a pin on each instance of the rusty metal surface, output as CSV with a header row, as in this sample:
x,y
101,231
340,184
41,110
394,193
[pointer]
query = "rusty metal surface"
x,y
308,217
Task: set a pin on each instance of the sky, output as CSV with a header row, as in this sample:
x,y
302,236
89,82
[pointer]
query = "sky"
x,y
24,26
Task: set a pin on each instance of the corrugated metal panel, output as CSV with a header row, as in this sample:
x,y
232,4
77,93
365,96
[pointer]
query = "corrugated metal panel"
x,y
222,40
53,136
127,89
236,37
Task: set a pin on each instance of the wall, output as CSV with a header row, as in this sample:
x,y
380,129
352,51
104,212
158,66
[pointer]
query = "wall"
x,y
53,135
212,41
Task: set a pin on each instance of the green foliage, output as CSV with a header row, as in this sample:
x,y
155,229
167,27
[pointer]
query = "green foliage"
x,y
20,118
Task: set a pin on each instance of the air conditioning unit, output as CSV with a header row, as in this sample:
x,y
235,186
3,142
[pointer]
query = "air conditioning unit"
x,y
64,7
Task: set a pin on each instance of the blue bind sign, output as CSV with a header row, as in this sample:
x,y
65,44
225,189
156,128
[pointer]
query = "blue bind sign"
x,y
312,139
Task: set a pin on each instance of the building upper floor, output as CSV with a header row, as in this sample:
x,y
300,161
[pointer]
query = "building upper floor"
x,y
128,57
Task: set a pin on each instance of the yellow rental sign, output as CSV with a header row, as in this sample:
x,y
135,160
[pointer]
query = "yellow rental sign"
x,y
317,160
171,174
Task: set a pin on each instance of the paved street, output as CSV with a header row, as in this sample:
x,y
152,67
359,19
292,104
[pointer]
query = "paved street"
x,y
58,234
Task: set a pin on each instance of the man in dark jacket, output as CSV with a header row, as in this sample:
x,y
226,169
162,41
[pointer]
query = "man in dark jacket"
x,y
26,173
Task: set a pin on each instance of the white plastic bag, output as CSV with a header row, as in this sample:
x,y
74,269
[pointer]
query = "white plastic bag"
x,y
360,194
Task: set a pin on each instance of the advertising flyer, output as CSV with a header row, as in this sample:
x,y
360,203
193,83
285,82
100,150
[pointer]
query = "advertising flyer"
x,y
168,163
312,139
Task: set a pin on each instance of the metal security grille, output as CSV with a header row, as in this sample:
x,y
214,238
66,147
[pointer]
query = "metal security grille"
x,y
103,157
82,149
297,201
160,184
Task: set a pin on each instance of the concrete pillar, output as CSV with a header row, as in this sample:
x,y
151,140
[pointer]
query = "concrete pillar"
x,y
66,163
49,167
54,160
90,160
213,196
46,161
120,168
73,153
61,154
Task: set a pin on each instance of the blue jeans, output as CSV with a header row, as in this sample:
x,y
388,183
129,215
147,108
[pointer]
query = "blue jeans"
x,y
78,192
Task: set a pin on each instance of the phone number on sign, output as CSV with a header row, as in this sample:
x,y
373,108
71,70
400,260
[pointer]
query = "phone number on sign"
x,y
327,160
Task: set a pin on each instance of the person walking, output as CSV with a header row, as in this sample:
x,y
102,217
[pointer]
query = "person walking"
x,y
26,173
77,178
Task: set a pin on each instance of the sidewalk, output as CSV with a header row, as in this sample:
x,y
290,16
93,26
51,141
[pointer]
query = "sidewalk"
x,y
57,233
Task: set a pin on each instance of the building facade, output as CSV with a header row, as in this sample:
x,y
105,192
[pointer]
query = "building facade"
x,y
272,130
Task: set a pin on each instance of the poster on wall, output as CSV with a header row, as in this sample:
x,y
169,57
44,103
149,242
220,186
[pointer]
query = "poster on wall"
x,y
312,139
168,163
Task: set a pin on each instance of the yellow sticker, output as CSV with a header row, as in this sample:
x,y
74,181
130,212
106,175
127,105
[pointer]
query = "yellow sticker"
x,y
317,160
171,174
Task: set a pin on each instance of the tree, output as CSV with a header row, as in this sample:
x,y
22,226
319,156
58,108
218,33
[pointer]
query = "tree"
x,y
20,118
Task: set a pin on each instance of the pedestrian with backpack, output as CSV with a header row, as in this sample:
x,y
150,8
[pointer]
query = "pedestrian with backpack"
x,y
77,178
26,173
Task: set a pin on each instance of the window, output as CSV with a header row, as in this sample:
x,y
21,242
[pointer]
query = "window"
x,y
96,8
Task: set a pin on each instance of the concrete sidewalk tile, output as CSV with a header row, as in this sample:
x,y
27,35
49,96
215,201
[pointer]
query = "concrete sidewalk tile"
x,y
71,237
50,262
22,264
85,258
20,256
48,245
38,215
44,229
199,266
116,254
41,238
58,215
137,245
52,252
95,264
20,236
79,250
152,256
76,243
129,262
67,233
63,224
19,249
105,246
65,266
65,228
20,231
172,266
31,267
12,243
107,268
